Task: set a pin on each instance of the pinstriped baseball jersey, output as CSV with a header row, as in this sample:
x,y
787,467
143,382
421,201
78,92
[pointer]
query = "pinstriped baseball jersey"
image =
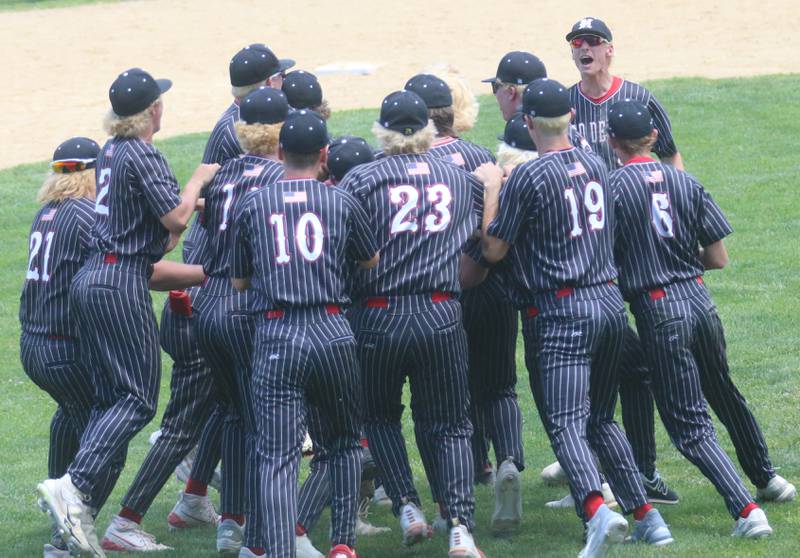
x,y
662,214
556,213
295,238
423,210
59,244
223,145
230,186
195,243
462,153
591,118
135,187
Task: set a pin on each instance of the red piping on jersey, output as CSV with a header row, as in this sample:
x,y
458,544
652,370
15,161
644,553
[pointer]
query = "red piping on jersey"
x,y
616,83
640,160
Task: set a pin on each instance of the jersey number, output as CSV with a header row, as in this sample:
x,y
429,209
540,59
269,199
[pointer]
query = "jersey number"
x,y
36,245
226,206
660,214
408,198
308,237
100,203
593,201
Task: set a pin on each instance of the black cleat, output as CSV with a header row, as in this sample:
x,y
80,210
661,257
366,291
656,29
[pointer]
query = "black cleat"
x,y
657,490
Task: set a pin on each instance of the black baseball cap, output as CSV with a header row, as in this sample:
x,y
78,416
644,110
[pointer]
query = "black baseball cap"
x,y
516,133
302,89
75,154
629,119
518,67
134,90
590,26
255,63
545,97
434,91
303,131
404,112
265,105
347,152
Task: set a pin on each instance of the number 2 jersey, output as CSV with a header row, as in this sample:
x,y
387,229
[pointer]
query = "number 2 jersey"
x,y
422,209
557,216
297,240
662,214
58,246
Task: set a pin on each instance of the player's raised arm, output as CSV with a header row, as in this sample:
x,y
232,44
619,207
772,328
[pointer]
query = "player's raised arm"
x,y
494,249
176,220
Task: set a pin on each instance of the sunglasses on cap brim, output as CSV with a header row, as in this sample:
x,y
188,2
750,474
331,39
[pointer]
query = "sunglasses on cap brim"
x,y
591,40
72,165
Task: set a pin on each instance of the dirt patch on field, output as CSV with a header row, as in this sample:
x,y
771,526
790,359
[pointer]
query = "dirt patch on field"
x,y
59,63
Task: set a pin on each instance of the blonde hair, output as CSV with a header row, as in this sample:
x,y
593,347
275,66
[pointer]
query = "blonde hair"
x,y
258,139
58,187
242,91
634,146
465,105
395,143
323,109
507,155
128,126
552,126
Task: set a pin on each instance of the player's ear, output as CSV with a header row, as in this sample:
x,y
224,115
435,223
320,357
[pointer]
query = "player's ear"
x,y
528,121
323,155
571,115
280,153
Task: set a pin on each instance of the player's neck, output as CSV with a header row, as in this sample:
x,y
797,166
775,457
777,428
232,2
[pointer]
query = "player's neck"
x,y
596,85
641,157
546,144
300,174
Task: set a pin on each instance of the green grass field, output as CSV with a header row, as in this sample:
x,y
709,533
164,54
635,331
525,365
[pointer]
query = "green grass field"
x,y
740,137
17,5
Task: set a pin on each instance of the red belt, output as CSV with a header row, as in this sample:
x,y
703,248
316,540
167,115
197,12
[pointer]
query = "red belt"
x,y
279,313
658,293
383,301
110,258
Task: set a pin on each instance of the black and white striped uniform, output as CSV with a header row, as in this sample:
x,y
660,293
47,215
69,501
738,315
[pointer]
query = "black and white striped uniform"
x,y
408,323
557,215
296,240
119,337
591,118
223,145
669,214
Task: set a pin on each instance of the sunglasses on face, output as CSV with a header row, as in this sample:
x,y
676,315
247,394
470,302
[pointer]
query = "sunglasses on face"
x,y
591,40
66,167
496,86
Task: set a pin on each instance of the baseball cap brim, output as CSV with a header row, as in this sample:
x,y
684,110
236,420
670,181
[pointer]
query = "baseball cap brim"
x,y
285,63
583,32
164,85
490,80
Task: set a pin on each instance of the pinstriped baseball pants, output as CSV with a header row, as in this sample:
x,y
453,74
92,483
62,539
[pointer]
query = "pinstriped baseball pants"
x,y
424,341
119,345
305,371
684,343
573,342
192,400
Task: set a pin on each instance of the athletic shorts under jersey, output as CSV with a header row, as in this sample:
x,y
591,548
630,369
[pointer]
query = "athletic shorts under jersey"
x,y
295,238
662,215
556,213
135,187
422,210
223,145
58,246
591,118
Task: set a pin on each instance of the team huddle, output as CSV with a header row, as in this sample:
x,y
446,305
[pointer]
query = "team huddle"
x,y
319,274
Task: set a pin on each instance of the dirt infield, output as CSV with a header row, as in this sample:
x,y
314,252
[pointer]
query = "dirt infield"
x,y
59,63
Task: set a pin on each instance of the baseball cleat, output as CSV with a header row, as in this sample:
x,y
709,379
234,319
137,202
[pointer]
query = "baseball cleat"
x,y
154,437
380,498
778,489
440,524
305,549
245,552
51,551
462,544
412,522
603,530
124,535
363,527
342,551
567,502
308,446
192,510
657,490
651,530
230,537
507,498
554,474
754,526
70,515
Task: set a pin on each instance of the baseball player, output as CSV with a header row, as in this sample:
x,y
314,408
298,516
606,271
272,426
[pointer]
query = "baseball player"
x,y
303,91
552,217
250,68
408,321
138,216
226,319
305,367
491,325
679,232
516,146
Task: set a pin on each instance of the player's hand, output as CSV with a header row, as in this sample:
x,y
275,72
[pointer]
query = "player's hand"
x,y
204,173
491,175
200,205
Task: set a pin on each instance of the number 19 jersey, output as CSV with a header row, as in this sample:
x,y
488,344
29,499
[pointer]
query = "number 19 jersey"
x,y
422,209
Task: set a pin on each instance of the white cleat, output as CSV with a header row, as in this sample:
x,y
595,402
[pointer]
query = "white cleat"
x,y
230,537
123,535
462,544
652,530
754,526
154,437
412,522
308,446
606,528
567,502
554,474
70,515
305,548
440,524
380,498
245,552
778,490
507,498
367,529
192,510
51,551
